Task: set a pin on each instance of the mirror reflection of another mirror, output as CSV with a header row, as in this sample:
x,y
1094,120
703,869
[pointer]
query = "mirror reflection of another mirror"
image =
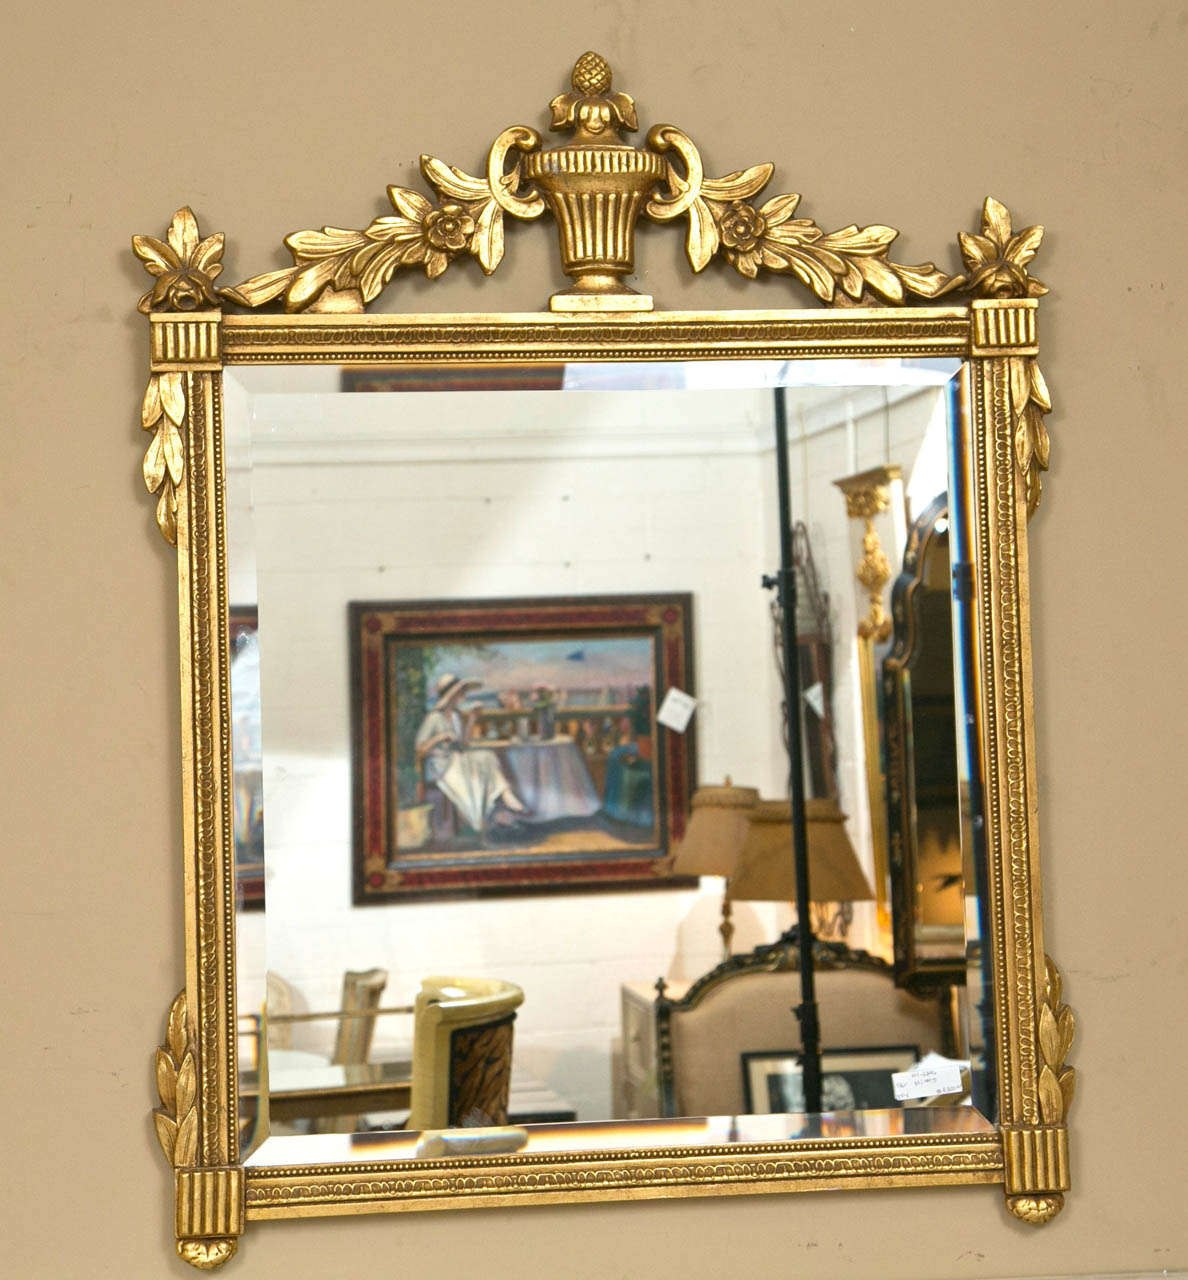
x,y
500,646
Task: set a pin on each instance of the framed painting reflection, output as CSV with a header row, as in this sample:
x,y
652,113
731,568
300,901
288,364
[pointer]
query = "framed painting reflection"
x,y
512,745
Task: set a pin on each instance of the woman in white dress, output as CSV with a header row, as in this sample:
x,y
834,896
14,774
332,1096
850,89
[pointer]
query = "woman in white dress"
x,y
470,777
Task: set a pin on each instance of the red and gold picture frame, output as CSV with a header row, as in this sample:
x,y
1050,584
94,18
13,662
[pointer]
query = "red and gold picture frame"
x,y
512,746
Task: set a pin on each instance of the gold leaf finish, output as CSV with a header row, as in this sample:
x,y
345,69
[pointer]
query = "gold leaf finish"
x,y
1057,1027
596,186
163,411
177,1120
997,260
185,266
987,318
1036,1209
1029,402
206,1255
345,270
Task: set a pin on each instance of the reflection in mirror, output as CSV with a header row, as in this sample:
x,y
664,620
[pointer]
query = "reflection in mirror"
x,y
474,588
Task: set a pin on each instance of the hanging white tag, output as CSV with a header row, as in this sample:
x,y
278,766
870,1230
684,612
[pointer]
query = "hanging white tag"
x,y
927,1080
814,696
676,710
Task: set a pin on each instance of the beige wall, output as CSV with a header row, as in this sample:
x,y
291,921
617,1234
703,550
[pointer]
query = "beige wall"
x,y
271,117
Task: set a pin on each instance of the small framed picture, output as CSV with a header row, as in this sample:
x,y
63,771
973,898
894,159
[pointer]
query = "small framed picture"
x,y
513,746
851,1079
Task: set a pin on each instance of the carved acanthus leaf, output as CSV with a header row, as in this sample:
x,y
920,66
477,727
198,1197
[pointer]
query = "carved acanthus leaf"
x,y
177,1085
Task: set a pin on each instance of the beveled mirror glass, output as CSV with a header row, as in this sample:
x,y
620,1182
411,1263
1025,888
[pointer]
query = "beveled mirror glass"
x,y
474,628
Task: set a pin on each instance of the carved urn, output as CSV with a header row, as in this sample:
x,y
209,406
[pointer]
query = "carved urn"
x,y
595,185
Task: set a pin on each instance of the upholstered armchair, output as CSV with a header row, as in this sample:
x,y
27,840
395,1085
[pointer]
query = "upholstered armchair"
x,y
746,1005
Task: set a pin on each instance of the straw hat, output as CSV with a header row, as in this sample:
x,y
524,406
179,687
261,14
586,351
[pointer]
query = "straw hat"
x,y
449,686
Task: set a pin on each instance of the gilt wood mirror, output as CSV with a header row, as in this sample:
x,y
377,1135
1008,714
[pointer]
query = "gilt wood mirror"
x,y
470,616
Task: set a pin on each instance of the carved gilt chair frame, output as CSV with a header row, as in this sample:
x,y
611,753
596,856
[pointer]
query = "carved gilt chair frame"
x,y
595,186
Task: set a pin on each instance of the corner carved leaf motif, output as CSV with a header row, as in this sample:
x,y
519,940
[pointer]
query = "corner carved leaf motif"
x,y
1057,1028
343,270
997,259
162,412
177,1085
184,265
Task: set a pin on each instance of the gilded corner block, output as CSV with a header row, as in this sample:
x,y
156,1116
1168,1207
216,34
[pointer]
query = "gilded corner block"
x,y
1003,327
186,341
209,1214
1036,1159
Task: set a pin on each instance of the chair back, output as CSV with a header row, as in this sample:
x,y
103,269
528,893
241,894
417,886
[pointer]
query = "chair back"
x,y
361,992
462,1052
746,1004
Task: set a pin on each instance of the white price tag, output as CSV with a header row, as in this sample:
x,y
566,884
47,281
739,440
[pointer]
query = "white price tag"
x,y
926,1081
676,710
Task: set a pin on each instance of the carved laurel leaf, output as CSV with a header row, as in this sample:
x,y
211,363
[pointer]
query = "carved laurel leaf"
x,y
308,283
488,243
1068,1087
177,1035
173,397
156,256
166,1079
410,203
450,181
154,463
187,1086
1051,1096
1054,983
166,1133
150,409
1067,1026
183,233
878,276
1039,393
927,280
177,1085
260,289
167,514
185,1149
207,254
740,185
1056,1029
162,412
1049,1035
703,240
996,222
327,243
858,241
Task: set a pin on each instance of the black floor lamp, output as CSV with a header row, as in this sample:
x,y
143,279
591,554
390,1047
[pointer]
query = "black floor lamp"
x,y
784,584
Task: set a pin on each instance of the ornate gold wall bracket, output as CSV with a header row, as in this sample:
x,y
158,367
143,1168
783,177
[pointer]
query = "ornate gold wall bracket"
x,y
596,186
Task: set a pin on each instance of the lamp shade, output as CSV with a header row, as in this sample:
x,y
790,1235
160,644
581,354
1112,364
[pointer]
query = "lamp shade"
x,y
716,832
766,870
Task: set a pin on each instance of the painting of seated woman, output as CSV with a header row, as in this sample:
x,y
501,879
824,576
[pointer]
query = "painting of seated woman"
x,y
511,746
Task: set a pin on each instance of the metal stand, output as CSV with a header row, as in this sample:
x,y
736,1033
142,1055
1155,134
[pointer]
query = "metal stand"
x,y
785,585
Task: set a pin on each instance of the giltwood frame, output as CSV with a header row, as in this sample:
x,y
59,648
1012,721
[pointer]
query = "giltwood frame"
x,y
993,331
